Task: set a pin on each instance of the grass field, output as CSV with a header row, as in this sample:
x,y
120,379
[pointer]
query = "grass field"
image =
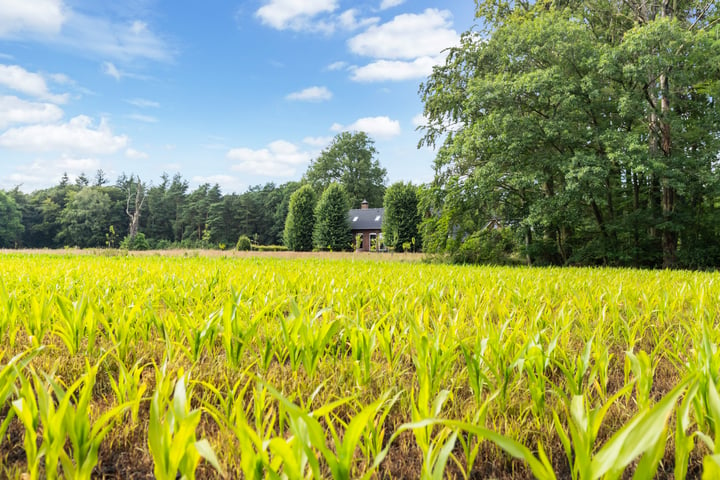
x,y
350,367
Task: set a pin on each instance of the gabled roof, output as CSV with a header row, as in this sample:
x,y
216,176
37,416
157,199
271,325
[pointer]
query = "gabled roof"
x,y
366,219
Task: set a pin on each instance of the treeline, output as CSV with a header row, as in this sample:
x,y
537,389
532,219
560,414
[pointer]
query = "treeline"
x,y
93,213
584,133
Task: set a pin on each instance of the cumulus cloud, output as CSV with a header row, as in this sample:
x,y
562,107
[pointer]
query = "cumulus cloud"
x,y
419,120
136,154
293,14
280,159
311,94
407,36
38,16
43,173
29,83
378,127
14,110
78,136
405,48
349,20
395,70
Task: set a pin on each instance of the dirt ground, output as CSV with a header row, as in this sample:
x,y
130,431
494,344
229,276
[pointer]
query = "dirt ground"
x,y
383,256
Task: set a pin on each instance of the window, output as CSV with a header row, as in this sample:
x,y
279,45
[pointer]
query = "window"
x,y
355,219
377,219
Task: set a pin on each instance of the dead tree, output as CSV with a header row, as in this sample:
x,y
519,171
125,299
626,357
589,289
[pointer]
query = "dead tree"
x,y
133,209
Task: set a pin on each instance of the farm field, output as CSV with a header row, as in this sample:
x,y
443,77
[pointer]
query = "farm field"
x,y
267,367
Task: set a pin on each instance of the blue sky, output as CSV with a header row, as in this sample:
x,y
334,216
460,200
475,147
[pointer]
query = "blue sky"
x,y
230,92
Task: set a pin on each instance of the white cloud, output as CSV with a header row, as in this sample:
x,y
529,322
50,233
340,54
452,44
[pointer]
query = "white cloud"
x,y
317,141
38,16
227,183
34,84
78,136
279,159
390,3
143,103
378,127
348,20
337,66
311,94
110,69
54,23
15,110
395,70
419,120
43,173
293,14
138,117
136,154
407,36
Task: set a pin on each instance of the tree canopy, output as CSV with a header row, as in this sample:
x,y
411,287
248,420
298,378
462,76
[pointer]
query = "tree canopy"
x,y
300,221
590,129
401,217
350,161
332,227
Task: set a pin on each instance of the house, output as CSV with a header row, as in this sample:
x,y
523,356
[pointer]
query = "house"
x,y
366,226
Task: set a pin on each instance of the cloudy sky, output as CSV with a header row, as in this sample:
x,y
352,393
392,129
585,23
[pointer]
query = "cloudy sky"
x,y
231,92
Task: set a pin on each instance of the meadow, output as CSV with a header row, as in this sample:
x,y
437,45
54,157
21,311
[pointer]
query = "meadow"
x,y
260,367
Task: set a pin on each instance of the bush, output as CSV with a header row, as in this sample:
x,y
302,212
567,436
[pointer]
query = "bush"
x,y
138,242
495,247
243,244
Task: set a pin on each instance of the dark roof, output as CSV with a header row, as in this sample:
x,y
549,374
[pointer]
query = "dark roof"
x,y
366,219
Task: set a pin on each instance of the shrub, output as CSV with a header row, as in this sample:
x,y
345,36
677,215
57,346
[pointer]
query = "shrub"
x,y
138,242
243,244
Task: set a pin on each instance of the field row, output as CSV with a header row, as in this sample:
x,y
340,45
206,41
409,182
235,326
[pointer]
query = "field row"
x,y
276,368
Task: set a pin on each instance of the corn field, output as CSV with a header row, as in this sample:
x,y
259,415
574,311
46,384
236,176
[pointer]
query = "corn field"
x,y
156,367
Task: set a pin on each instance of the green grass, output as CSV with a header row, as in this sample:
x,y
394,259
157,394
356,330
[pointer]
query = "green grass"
x,y
282,368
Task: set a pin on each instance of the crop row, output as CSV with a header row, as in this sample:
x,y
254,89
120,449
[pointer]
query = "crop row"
x,y
270,368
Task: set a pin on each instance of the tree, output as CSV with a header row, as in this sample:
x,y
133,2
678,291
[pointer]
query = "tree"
x,y
136,195
85,218
332,227
350,161
590,129
401,217
300,221
11,227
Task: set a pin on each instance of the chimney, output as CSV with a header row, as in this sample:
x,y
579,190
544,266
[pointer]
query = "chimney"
x,y
364,205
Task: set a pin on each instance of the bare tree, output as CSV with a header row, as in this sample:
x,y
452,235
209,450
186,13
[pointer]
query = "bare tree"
x,y
134,208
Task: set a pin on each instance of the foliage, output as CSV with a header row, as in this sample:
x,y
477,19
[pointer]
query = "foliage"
x,y
401,217
350,161
138,242
11,227
332,227
243,243
591,130
354,369
85,218
489,246
300,222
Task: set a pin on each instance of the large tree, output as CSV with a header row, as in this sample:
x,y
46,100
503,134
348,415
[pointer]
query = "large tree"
x,y
350,161
401,217
589,128
11,227
85,219
300,221
332,226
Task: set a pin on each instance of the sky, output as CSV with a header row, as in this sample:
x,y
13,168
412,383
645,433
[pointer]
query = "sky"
x,y
237,93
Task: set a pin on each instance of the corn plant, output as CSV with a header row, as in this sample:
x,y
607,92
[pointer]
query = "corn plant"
x,y
171,434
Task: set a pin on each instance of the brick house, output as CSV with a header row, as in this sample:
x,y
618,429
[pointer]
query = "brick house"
x,y
366,226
